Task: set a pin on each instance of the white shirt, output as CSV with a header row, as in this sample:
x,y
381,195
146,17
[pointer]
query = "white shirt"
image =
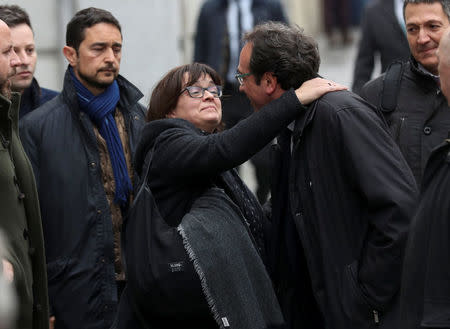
x,y
424,70
291,127
233,30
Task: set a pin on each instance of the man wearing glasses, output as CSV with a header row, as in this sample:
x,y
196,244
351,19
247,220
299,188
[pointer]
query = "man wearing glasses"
x,y
342,196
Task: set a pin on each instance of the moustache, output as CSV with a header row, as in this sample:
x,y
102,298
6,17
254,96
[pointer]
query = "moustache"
x,y
109,68
426,48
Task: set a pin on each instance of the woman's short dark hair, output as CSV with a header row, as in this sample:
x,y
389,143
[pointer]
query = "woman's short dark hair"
x,y
286,51
86,18
165,95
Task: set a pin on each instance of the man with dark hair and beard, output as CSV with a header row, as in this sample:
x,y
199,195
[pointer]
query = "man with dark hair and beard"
x,y
23,262
81,144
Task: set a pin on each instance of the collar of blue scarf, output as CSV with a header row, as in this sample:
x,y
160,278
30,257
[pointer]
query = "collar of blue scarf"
x,y
100,110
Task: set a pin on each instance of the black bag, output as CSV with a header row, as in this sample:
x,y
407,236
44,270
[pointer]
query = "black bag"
x,y
155,261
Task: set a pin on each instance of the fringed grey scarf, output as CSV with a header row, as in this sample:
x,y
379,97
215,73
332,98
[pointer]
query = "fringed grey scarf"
x,y
233,277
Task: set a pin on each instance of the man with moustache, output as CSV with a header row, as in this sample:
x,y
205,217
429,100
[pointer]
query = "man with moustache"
x,y
409,96
24,82
80,145
425,294
24,260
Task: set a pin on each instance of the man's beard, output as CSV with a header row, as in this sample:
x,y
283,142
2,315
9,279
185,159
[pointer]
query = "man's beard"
x,y
94,83
5,89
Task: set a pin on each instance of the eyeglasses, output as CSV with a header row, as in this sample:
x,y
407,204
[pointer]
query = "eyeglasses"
x,y
198,92
240,77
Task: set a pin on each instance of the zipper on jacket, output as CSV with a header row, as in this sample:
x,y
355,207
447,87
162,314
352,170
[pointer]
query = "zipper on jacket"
x,y
376,317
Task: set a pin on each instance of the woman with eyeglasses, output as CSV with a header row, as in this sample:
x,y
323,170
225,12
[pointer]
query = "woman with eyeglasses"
x,y
196,190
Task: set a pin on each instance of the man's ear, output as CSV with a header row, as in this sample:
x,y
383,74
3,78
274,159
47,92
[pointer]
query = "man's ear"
x,y
71,55
270,82
170,115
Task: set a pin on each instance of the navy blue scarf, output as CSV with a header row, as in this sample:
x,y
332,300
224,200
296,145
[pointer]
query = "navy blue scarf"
x,y
100,110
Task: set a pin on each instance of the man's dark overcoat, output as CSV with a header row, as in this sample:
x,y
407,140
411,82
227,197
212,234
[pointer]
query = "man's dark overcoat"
x,y
33,97
78,230
352,196
425,294
20,220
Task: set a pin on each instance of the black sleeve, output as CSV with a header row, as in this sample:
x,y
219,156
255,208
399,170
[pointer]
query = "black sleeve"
x,y
366,52
181,152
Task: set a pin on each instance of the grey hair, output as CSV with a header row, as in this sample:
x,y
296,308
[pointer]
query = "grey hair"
x,y
444,3
286,51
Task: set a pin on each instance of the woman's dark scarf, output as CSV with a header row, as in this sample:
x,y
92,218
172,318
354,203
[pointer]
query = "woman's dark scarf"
x,y
100,110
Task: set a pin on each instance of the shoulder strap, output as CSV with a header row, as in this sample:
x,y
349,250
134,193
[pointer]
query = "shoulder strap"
x,y
148,159
142,182
391,86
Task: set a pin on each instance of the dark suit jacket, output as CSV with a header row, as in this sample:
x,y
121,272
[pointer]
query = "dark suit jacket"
x,y
34,96
20,221
211,28
380,33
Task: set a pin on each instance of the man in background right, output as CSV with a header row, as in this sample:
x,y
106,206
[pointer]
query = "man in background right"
x,y
408,95
425,293
382,34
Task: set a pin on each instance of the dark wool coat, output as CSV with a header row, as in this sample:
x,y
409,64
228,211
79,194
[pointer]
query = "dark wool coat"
x,y
421,120
21,221
34,96
352,196
61,144
425,294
